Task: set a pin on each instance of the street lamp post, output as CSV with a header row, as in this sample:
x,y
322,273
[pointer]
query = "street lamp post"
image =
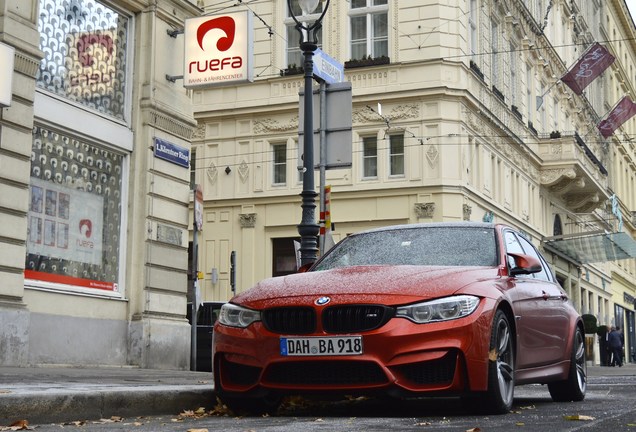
x,y
308,228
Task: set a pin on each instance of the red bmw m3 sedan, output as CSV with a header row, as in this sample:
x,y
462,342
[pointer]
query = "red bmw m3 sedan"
x,y
452,309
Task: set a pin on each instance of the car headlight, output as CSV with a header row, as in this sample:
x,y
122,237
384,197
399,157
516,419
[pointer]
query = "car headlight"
x,y
237,316
443,309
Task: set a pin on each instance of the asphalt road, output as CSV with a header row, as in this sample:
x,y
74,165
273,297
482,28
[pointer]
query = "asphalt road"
x,y
610,405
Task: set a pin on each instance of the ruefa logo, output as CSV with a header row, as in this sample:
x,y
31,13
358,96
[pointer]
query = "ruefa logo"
x,y
86,227
228,26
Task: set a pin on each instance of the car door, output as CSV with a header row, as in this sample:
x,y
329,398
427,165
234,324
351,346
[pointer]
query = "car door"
x,y
539,307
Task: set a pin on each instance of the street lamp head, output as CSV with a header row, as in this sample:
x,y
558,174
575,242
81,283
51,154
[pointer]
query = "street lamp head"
x,y
308,32
308,6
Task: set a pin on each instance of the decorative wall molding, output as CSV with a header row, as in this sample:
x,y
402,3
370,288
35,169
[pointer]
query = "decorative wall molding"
x,y
432,154
199,132
212,172
400,112
467,211
169,124
271,125
243,170
552,176
26,65
247,220
424,210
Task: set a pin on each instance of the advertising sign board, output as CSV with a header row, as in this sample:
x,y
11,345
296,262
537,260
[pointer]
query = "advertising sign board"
x,y
218,50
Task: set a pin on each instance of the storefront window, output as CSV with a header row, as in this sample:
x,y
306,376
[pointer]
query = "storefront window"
x,y
84,50
75,212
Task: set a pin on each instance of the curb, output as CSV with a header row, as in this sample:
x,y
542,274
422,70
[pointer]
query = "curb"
x,y
65,406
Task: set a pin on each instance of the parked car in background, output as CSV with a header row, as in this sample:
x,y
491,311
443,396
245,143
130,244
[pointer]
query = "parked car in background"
x,y
207,315
465,309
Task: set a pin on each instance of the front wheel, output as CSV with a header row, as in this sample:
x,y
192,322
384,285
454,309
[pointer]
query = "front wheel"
x,y
573,388
501,367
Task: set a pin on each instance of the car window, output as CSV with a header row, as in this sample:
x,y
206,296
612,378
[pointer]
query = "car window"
x,y
530,250
512,246
429,246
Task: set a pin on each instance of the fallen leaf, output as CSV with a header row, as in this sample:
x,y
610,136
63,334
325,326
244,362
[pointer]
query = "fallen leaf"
x,y
75,423
529,407
113,419
473,430
17,425
5,391
138,424
579,417
197,430
220,409
520,424
319,420
492,354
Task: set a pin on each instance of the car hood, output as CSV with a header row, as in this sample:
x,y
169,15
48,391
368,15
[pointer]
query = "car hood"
x,y
385,284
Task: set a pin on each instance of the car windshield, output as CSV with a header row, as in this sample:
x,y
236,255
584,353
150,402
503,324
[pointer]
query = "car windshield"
x,y
422,246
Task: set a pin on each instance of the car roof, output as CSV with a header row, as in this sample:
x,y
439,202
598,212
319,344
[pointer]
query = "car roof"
x,y
432,225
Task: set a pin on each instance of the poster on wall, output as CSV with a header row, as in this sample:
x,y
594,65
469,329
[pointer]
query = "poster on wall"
x,y
66,224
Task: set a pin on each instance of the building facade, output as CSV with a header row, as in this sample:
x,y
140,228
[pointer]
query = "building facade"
x,y
474,124
93,217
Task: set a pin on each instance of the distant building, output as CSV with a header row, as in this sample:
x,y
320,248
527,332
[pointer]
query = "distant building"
x,y
475,125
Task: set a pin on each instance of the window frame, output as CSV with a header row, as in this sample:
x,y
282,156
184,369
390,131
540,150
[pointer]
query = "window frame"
x,y
473,29
365,157
393,155
369,12
279,166
77,121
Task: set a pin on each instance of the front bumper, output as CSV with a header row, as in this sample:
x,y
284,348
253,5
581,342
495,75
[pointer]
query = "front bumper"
x,y
399,358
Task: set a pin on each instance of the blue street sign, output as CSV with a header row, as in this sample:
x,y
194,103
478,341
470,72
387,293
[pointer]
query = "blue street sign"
x,y
327,69
172,153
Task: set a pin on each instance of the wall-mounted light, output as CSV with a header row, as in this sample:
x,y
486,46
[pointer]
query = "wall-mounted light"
x,y
228,170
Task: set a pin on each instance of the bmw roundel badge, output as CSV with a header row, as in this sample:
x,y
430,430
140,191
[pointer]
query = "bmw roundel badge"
x,y
323,301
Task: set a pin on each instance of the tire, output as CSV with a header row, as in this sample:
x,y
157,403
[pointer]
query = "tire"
x,y
573,388
501,367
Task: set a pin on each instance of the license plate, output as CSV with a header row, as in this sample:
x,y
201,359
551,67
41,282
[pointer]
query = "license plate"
x,y
321,346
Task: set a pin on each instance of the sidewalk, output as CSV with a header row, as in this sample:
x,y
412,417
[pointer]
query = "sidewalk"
x,y
64,394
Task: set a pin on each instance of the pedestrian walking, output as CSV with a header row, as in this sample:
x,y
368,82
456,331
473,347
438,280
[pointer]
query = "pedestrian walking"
x,y
616,346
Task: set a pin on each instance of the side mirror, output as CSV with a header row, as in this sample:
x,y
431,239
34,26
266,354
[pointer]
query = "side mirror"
x,y
524,264
304,268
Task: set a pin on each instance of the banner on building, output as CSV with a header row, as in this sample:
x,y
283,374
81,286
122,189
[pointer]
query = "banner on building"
x,y
622,111
589,66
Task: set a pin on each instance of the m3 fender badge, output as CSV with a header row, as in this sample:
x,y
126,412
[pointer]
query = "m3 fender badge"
x,y
322,301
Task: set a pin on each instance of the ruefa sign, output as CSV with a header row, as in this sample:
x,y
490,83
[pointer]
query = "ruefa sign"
x,y
218,50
